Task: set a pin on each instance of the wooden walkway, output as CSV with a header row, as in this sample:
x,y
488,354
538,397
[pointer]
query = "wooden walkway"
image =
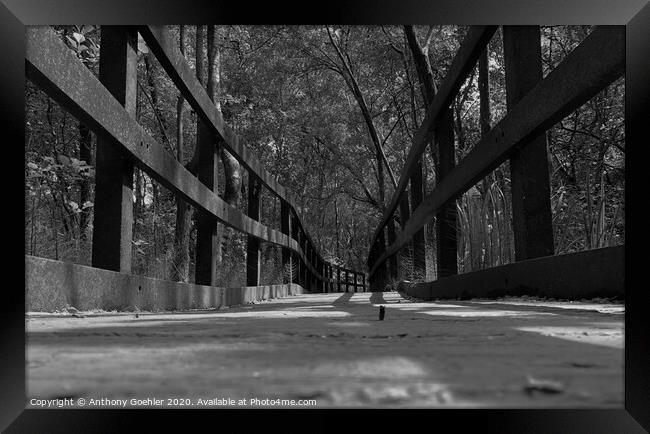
x,y
331,348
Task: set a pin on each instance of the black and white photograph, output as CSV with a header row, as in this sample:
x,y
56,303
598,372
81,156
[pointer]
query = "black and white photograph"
x,y
325,216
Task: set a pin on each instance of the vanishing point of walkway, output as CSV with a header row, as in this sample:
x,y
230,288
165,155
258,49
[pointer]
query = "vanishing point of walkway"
x,y
333,349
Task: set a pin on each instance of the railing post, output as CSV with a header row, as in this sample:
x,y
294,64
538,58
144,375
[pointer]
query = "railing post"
x,y
372,259
305,270
404,214
113,213
312,260
295,262
285,228
381,271
531,203
307,262
447,259
338,278
253,244
328,284
206,227
418,241
393,260
346,281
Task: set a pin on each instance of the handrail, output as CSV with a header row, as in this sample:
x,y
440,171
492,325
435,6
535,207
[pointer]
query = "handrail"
x,y
591,66
56,69
173,62
474,43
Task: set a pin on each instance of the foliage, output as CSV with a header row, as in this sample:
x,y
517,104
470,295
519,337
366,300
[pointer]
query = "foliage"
x,y
284,91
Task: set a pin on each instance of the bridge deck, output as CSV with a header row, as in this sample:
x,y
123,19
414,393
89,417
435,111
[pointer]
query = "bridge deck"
x,y
332,348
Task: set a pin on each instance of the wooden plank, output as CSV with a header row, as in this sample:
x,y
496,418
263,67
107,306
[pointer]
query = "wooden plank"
x,y
54,285
416,193
253,244
474,43
285,228
588,274
338,279
594,64
56,69
393,260
166,50
113,221
446,221
295,234
207,241
529,173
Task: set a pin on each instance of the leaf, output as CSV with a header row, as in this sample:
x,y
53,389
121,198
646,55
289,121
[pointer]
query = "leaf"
x,y
32,166
79,38
142,46
63,159
87,204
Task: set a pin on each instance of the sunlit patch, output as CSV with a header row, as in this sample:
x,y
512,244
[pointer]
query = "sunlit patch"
x,y
467,313
418,394
350,324
600,308
609,337
283,314
154,320
420,306
382,367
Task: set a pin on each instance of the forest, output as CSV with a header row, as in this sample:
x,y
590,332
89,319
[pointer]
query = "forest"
x,y
331,112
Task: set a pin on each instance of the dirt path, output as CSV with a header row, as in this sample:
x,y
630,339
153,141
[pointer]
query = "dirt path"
x,y
331,348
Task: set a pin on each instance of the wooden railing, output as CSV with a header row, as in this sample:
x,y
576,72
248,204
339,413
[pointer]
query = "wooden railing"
x,y
534,105
107,106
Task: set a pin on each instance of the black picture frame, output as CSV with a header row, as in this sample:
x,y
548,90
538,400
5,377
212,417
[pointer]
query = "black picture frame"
x,y
634,14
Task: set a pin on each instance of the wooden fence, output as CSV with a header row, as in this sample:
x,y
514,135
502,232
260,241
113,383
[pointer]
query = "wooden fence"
x,y
534,105
107,106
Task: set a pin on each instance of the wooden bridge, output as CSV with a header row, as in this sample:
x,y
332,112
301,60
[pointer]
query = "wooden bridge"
x,y
107,106
535,103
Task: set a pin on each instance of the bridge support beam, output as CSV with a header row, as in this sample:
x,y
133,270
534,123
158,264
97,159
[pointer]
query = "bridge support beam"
x,y
296,263
447,261
531,197
418,241
113,221
338,279
285,228
207,241
306,272
393,261
253,244
404,215
381,272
